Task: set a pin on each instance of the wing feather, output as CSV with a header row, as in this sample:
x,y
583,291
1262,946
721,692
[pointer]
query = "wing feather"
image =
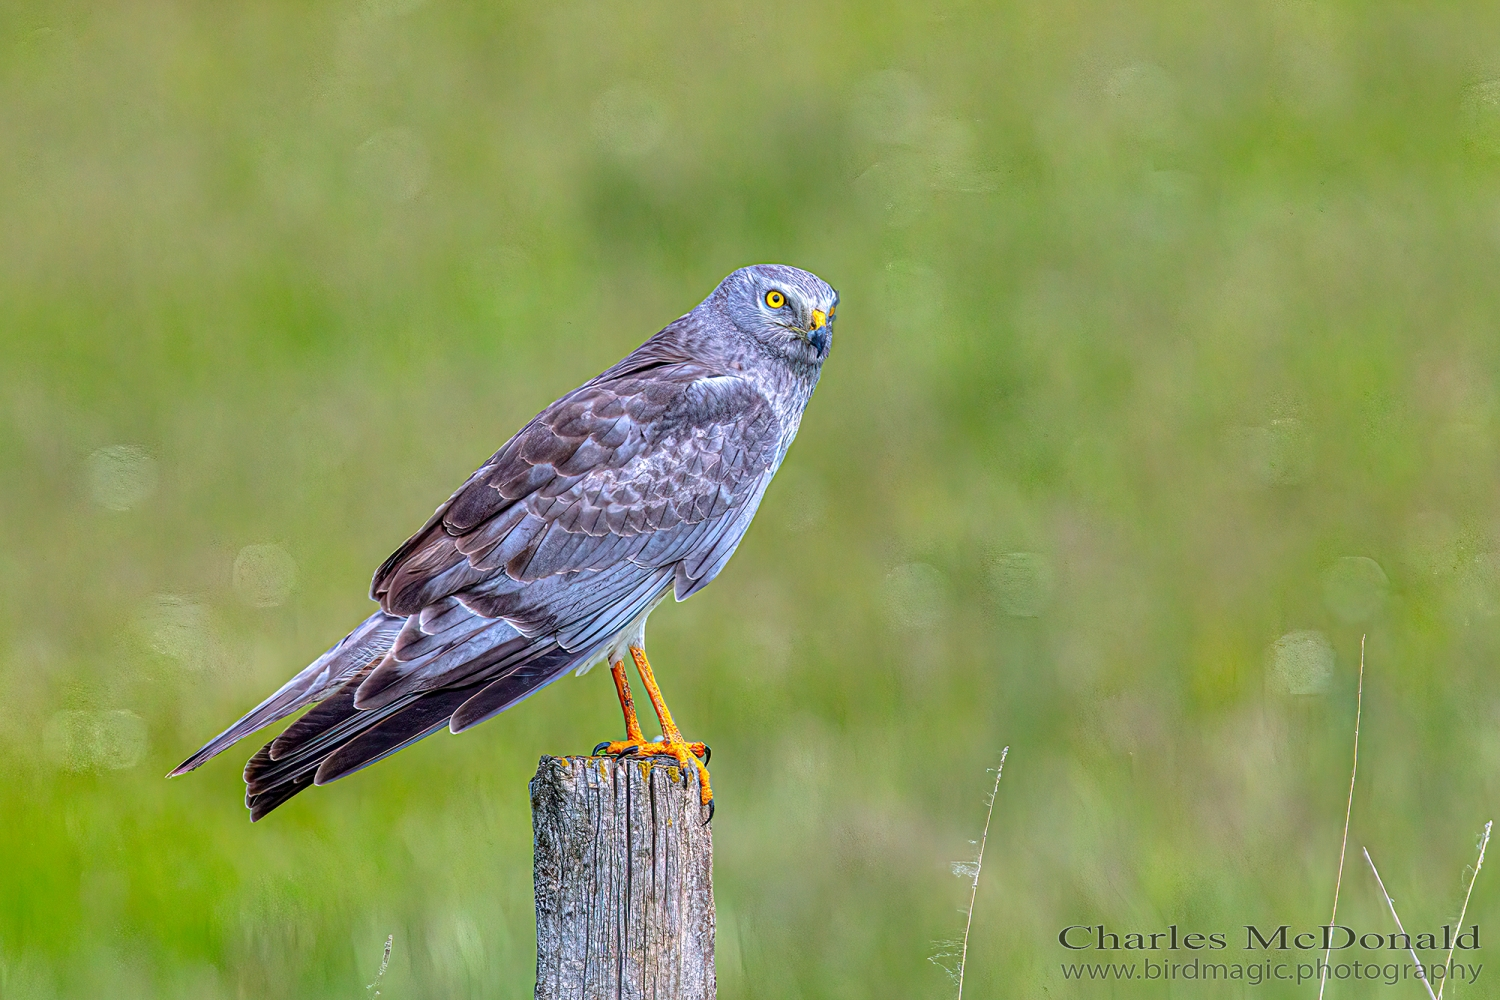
x,y
677,457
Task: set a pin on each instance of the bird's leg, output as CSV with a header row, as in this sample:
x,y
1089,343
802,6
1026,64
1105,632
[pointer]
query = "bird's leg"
x,y
627,703
678,747
635,741
663,714
672,743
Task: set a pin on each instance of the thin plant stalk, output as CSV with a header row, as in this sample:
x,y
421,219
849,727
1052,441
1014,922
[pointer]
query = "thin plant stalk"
x,y
1392,904
385,960
1359,703
963,953
1484,842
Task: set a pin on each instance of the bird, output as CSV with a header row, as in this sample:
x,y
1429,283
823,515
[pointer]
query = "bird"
x,y
548,559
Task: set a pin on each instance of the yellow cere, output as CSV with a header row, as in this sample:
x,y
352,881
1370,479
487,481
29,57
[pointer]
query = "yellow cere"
x,y
819,318
775,299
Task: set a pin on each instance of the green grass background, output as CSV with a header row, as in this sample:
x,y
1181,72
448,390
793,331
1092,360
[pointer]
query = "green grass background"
x,y
1188,301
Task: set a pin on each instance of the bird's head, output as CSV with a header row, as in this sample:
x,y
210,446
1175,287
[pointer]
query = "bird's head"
x,y
788,311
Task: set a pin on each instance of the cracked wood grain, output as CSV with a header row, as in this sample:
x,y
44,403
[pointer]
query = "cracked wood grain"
x,y
624,882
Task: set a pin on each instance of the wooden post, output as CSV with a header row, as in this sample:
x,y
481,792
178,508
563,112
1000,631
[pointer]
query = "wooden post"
x,y
624,882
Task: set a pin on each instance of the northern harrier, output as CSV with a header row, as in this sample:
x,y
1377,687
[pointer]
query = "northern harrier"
x,y
549,559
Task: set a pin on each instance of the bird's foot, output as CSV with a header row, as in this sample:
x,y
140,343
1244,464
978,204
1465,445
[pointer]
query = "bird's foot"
x,y
681,752
685,754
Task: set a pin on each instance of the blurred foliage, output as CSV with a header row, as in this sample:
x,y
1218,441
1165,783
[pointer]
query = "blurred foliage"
x,y
1166,369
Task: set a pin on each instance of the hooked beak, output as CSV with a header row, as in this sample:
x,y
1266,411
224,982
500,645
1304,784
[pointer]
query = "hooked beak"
x,y
819,335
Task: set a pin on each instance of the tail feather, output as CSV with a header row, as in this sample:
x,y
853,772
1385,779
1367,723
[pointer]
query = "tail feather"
x,y
352,654
311,737
330,723
422,718
262,802
336,738
518,683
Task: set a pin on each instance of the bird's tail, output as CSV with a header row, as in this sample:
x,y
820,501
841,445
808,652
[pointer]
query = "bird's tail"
x,y
351,655
336,739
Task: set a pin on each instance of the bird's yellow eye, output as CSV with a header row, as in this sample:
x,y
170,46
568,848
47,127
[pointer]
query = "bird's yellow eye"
x,y
775,299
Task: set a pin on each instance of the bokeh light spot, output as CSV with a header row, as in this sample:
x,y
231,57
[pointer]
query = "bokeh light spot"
x,y
1023,582
1355,588
177,628
264,575
80,740
1277,454
1300,663
121,476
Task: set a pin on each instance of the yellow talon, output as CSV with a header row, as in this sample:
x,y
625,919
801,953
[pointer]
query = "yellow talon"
x,y
672,745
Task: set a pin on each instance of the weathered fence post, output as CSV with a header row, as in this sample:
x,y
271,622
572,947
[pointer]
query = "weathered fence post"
x,y
624,882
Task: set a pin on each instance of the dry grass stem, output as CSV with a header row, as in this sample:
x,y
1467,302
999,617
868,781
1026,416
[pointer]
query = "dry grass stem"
x,y
385,960
1394,916
1359,704
971,870
1484,842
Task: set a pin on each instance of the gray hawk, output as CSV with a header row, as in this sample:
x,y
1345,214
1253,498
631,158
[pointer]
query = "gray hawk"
x,y
549,559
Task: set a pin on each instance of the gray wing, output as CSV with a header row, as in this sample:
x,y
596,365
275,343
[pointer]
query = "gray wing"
x,y
631,484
